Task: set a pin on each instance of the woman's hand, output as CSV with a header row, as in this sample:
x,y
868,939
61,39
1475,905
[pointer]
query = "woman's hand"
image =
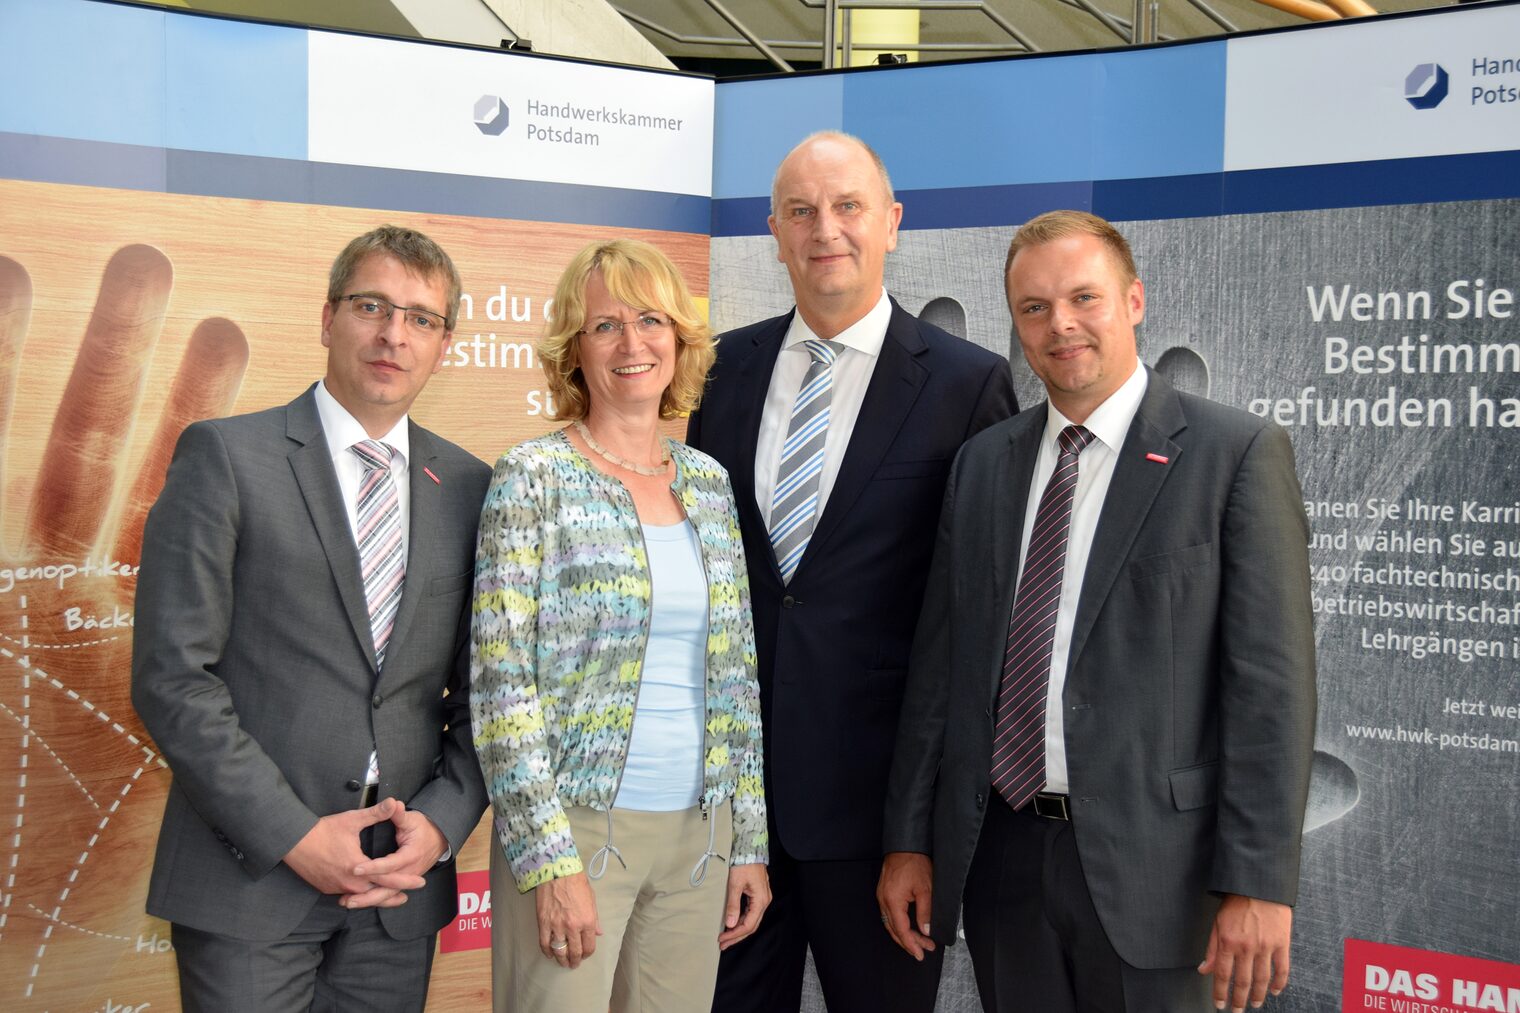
x,y
749,894
567,921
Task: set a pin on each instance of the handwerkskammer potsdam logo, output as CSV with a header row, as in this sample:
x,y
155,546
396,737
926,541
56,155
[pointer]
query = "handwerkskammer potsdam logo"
x,y
491,115
1426,86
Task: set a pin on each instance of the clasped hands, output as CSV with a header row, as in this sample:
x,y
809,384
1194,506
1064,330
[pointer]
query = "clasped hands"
x,y
330,859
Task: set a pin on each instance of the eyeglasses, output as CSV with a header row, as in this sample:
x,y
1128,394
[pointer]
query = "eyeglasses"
x,y
645,324
375,310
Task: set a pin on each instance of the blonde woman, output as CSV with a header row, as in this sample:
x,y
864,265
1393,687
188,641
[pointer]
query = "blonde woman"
x,y
613,694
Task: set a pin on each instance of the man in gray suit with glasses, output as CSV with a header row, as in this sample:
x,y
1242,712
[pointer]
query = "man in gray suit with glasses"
x,y
300,657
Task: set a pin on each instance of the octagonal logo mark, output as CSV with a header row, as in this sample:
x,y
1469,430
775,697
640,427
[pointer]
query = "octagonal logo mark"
x,y
491,115
1426,86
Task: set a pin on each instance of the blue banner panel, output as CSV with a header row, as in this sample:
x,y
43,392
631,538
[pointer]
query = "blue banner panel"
x,y
92,71
83,163
144,78
1045,120
1434,180
972,206
1437,179
741,216
758,122
238,88
958,207
1158,197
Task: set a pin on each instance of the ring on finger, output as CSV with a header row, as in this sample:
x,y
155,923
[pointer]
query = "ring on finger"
x,y
560,946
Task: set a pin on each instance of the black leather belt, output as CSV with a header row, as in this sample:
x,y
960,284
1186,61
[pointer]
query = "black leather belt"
x,y
1052,805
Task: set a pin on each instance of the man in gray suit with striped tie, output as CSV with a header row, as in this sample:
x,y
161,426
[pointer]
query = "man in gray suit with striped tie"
x,y
300,658
1104,754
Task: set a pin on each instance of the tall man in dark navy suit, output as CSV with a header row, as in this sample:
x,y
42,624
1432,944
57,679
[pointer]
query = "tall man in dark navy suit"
x,y
1115,786
838,423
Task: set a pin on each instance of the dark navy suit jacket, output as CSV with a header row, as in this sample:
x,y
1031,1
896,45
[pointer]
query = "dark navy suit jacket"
x,y
834,644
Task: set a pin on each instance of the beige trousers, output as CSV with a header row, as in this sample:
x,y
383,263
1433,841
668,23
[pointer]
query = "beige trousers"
x,y
658,951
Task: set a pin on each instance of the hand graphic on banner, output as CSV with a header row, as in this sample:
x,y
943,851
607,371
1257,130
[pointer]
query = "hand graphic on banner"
x,y
89,786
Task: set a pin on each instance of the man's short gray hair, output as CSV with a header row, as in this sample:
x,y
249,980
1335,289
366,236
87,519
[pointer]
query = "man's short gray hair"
x,y
836,135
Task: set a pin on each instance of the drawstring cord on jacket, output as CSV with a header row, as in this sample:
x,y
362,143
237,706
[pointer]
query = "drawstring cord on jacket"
x,y
597,867
699,871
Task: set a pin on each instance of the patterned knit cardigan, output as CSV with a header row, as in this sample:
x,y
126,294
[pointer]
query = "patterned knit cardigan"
x,y
560,619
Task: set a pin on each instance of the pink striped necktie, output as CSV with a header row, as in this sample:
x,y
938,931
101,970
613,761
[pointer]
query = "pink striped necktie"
x,y
382,554
1018,745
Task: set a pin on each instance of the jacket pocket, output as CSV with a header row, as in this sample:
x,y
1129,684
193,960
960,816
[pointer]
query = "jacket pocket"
x,y
1195,787
457,584
1168,562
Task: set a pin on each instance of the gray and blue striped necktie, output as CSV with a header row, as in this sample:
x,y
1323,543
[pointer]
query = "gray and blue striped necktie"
x,y
794,505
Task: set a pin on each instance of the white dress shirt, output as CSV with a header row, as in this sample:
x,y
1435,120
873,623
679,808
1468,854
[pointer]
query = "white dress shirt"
x,y
859,348
343,431
1109,423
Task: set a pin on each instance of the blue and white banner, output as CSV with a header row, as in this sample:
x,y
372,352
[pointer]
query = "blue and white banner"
x,y
1396,110
1406,88
155,100
478,114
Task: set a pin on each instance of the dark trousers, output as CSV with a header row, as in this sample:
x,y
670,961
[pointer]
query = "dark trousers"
x,y
830,907
1035,940
334,960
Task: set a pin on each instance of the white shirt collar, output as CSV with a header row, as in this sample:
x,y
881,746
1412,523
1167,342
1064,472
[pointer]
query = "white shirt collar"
x,y
1110,421
864,335
343,430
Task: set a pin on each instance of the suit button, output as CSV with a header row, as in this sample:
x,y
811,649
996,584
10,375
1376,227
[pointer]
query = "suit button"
x,y
981,800
352,785
375,700
788,602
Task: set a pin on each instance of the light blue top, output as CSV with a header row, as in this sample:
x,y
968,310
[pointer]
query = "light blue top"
x,y
663,772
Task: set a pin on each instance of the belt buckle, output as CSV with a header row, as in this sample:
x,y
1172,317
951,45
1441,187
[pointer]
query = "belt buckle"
x,y
1052,805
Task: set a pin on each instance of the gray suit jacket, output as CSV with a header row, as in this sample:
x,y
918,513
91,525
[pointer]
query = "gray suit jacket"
x,y
253,668
1189,700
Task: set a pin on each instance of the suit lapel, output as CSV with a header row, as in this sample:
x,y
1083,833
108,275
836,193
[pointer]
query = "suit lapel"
x,y
1131,492
422,533
753,379
1015,470
890,396
313,467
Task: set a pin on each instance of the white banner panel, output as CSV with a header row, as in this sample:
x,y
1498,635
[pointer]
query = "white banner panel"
x,y
1403,88
398,105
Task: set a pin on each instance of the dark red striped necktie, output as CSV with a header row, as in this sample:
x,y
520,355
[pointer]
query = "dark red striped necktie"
x,y
1018,744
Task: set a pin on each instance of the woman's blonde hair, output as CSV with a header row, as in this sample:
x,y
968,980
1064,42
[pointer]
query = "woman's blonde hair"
x,y
638,275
